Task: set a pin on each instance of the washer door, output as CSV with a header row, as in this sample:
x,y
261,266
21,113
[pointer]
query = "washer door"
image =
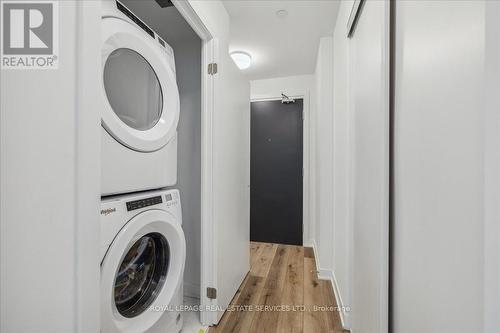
x,y
141,108
141,271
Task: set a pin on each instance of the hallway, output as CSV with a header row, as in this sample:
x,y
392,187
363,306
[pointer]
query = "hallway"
x,y
284,276
303,166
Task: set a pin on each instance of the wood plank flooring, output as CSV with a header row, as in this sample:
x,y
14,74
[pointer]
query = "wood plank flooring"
x,y
281,293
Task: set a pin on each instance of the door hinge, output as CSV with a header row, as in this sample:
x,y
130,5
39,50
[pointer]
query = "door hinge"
x,y
211,293
212,68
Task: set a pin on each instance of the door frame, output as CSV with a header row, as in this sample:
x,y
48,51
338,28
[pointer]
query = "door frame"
x,y
307,231
208,269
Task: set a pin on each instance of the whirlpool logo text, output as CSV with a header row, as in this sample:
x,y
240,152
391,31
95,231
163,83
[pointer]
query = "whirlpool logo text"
x,y
107,211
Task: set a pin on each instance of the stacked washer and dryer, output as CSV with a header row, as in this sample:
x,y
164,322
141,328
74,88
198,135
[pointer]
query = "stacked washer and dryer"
x,y
143,248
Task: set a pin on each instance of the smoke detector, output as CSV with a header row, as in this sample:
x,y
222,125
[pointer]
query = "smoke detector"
x,y
282,13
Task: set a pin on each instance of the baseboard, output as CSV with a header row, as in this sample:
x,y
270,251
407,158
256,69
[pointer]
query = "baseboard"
x,y
191,290
308,243
312,244
329,275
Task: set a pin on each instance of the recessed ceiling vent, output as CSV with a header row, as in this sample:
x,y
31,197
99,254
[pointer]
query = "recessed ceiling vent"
x,y
165,3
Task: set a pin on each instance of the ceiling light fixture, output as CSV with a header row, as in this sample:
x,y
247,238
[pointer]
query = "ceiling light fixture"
x,y
242,59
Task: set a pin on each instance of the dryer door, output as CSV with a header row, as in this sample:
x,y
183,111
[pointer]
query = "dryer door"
x,y
141,271
141,104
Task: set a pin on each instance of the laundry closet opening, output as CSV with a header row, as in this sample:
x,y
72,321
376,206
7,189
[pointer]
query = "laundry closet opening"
x,y
166,20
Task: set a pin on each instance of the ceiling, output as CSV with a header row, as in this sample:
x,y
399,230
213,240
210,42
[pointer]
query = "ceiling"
x,y
280,46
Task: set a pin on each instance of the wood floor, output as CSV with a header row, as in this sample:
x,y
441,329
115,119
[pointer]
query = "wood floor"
x,y
281,293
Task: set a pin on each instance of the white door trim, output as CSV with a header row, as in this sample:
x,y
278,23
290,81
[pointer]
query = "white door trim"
x,y
208,241
208,234
306,205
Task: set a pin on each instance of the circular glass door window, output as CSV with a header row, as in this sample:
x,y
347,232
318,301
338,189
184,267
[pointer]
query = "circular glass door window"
x,y
133,89
141,275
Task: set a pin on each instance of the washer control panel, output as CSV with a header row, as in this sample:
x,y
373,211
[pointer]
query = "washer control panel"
x,y
138,204
171,199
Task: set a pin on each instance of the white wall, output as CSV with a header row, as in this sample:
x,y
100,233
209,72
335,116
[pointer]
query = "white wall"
x,y
369,84
439,167
332,156
343,212
357,229
189,158
214,16
299,85
491,289
447,171
50,189
324,155
330,162
342,164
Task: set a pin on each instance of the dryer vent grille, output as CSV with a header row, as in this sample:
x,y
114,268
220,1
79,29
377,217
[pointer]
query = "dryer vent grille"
x,y
134,18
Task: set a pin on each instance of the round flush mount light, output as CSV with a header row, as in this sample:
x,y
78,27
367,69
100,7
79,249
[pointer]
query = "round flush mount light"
x,y
282,13
242,59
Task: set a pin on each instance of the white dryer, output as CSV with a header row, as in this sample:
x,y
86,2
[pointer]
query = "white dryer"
x,y
140,109
143,251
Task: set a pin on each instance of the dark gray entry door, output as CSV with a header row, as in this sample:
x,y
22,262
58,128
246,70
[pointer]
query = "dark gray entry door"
x,y
276,172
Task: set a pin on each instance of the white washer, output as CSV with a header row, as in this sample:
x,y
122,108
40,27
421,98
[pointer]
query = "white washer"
x,y
140,105
143,251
